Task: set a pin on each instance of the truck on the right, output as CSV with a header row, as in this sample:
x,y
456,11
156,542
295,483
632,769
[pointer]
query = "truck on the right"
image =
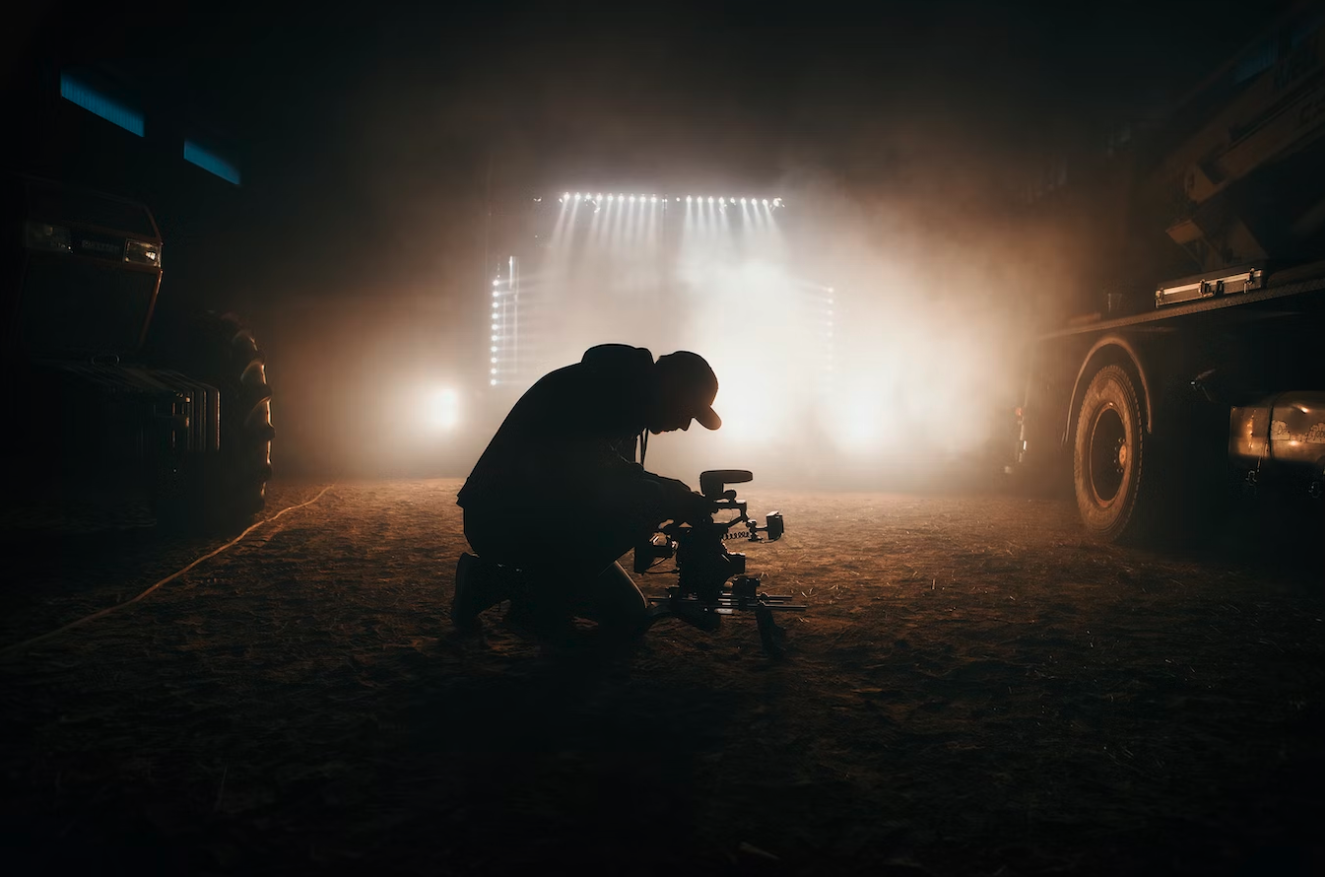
x,y
1197,370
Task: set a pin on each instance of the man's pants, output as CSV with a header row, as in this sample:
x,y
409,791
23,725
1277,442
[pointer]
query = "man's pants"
x,y
568,561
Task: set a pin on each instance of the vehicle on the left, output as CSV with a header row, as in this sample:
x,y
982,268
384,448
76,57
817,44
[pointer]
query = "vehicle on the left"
x,y
104,422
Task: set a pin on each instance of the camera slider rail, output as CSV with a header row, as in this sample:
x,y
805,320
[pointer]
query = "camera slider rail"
x,y
728,605
741,596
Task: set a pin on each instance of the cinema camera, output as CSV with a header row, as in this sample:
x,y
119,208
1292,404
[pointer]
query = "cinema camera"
x,y
711,581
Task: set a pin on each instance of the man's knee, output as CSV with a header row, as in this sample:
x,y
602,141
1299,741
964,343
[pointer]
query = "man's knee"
x,y
613,599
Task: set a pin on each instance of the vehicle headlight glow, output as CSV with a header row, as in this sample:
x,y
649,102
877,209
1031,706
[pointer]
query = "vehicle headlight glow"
x,y
40,236
443,409
142,253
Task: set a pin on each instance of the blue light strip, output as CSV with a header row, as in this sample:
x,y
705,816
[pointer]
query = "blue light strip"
x,y
210,162
97,103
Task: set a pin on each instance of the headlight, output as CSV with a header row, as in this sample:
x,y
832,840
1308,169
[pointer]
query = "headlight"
x,y
40,236
142,252
443,409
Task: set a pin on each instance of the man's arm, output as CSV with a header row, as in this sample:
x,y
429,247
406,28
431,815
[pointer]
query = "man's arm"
x,y
613,479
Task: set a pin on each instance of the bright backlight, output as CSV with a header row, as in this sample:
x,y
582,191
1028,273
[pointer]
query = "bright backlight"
x,y
443,409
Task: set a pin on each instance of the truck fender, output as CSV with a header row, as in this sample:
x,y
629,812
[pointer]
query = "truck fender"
x,y
1108,349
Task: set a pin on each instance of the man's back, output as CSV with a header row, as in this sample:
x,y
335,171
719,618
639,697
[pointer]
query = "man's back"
x,y
574,427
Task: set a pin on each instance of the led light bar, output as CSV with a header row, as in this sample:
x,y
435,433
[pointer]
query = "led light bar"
x,y
569,197
505,313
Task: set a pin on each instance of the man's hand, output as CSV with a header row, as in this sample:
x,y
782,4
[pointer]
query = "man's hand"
x,y
683,504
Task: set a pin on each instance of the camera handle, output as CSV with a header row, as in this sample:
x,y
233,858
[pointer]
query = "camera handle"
x,y
713,482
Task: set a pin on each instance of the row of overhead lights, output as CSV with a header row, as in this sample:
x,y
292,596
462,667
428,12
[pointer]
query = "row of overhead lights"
x,y
654,199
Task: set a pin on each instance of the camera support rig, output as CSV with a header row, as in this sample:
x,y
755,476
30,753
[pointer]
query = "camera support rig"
x,y
711,581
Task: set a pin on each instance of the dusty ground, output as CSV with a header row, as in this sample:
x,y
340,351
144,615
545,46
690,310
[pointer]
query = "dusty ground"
x,y
976,689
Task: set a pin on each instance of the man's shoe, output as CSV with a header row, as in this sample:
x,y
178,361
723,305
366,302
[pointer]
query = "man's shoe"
x,y
694,614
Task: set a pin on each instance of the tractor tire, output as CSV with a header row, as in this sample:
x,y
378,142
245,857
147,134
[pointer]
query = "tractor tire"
x,y
229,488
1111,466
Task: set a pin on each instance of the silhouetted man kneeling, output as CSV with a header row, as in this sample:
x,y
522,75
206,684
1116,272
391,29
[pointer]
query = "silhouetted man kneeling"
x,y
557,496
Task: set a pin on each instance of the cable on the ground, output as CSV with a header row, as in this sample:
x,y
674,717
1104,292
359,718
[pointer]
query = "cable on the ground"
x,y
170,578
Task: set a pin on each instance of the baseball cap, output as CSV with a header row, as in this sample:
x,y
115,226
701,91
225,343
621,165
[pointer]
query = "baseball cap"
x,y
698,382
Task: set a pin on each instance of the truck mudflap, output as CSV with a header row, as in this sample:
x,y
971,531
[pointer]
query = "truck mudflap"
x,y
1286,430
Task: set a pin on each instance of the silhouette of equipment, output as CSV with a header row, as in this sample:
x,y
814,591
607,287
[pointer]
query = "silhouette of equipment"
x,y
712,581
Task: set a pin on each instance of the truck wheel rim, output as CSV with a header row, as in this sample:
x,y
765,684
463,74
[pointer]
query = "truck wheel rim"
x,y
1108,455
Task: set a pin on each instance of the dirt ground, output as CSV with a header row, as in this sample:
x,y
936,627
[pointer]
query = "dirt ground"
x,y
975,689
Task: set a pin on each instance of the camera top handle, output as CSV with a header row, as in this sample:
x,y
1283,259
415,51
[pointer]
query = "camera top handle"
x,y
713,482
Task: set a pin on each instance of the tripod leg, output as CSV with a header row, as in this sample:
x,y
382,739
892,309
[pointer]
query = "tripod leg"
x,y
771,635
656,613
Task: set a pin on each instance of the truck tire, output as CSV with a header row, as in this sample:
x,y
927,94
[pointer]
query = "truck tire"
x,y
1113,486
230,486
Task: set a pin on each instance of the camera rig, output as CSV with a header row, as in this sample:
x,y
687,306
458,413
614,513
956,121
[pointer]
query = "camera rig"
x,y
711,581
